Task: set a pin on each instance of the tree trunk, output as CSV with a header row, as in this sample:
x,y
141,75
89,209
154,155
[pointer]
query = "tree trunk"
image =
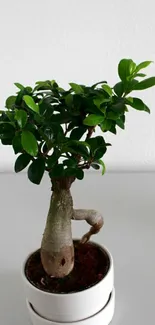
x,y
57,251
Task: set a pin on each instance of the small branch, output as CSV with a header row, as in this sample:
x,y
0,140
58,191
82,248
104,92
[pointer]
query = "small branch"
x,y
93,218
90,132
85,166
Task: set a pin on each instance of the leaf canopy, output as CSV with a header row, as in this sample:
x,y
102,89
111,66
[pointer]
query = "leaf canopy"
x,y
53,129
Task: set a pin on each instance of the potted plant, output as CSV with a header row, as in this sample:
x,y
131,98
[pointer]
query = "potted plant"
x,y
53,130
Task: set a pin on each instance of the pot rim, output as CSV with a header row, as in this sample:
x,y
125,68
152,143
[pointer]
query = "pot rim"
x,y
26,280
83,321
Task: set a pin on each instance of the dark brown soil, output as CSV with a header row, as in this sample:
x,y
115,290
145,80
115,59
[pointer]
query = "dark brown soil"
x,y
91,266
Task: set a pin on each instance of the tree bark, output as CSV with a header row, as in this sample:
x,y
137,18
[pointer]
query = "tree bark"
x,y
57,251
93,218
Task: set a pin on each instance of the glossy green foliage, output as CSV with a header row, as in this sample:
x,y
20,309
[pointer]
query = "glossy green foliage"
x,y
53,130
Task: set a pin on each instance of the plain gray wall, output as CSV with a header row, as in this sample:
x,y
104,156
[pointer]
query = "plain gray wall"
x,y
81,41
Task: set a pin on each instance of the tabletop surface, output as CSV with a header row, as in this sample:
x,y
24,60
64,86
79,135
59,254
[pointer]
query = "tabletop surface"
x,y
127,202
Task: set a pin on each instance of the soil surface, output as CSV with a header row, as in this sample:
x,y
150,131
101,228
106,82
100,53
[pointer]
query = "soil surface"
x,y
91,266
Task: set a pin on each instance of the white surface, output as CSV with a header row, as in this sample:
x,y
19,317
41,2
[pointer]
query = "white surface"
x,y
104,317
81,41
71,307
127,202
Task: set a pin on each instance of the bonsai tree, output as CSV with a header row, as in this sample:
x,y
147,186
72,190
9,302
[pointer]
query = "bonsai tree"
x,y
53,130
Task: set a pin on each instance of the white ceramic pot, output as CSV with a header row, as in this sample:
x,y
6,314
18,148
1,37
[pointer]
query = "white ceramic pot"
x,y
70,307
104,317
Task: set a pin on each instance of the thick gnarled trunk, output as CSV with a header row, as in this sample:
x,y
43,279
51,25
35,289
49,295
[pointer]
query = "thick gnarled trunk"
x,y
57,252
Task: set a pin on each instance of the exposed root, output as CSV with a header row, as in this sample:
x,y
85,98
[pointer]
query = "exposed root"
x,y
42,281
93,218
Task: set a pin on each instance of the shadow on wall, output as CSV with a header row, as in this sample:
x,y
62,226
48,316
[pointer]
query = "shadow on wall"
x,y
12,307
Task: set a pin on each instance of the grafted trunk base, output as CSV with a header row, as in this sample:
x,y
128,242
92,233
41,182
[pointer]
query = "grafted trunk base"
x,y
58,264
57,251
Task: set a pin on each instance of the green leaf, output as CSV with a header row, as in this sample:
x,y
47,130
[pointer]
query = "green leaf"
x,y
58,133
29,143
120,123
119,106
77,133
18,85
100,162
126,68
31,103
19,98
71,162
119,89
21,162
129,86
53,158
96,142
10,102
147,83
93,120
11,115
100,152
137,103
76,88
107,89
95,166
77,148
48,133
57,171
69,100
45,108
61,118
39,119
78,102
54,84
100,100
36,171
142,65
98,83
21,117
29,89
43,85
140,75
106,125
7,131
16,143
79,173
113,116
72,125
7,141
97,146
68,172
113,129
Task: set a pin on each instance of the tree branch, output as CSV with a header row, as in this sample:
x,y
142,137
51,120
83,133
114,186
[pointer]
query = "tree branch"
x,y
93,218
90,132
84,166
